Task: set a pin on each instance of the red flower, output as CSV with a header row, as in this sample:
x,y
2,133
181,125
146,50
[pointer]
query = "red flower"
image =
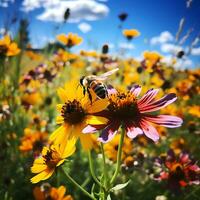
x,y
179,171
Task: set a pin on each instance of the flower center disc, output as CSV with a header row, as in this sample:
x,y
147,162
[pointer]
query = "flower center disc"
x,y
51,159
72,112
123,106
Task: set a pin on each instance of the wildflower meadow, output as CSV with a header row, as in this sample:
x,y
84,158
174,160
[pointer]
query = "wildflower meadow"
x,y
99,100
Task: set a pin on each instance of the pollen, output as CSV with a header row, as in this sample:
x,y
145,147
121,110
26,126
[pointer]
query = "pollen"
x,y
72,112
123,105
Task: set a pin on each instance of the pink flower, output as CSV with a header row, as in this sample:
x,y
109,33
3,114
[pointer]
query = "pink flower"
x,y
126,109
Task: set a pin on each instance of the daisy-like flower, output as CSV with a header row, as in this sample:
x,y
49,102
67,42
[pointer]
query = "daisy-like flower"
x,y
33,141
7,47
69,40
126,109
52,157
75,113
130,34
179,171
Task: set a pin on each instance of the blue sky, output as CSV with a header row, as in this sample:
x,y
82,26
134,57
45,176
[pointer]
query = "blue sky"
x,y
151,18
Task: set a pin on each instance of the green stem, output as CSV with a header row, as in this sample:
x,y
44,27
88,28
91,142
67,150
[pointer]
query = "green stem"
x,y
77,185
104,167
92,169
85,182
119,155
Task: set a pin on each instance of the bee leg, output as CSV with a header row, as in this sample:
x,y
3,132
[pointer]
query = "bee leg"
x,y
89,94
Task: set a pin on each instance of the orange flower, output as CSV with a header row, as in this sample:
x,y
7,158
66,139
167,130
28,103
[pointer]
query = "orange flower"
x,y
46,192
69,40
33,141
132,33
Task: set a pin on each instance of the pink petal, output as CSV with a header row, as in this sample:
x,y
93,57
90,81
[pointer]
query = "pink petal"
x,y
136,89
89,129
109,132
157,105
148,97
194,167
165,120
111,90
149,130
132,131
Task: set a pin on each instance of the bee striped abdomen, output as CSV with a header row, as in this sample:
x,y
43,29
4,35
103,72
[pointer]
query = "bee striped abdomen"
x,y
99,89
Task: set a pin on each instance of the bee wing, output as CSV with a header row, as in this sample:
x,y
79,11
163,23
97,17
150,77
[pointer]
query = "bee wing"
x,y
105,75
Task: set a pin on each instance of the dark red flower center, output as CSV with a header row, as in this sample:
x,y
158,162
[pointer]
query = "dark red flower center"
x,y
123,106
3,49
51,158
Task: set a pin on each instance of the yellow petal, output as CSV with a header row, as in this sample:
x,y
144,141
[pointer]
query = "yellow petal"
x,y
38,168
42,176
69,148
98,106
72,90
62,94
58,134
7,40
59,107
86,141
96,120
44,152
59,120
60,162
62,38
61,191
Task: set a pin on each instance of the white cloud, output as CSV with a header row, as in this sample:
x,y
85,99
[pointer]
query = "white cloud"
x,y
168,60
180,63
79,9
170,48
84,27
195,51
184,64
164,37
126,46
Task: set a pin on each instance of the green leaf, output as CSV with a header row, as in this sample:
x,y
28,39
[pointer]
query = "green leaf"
x,y
120,186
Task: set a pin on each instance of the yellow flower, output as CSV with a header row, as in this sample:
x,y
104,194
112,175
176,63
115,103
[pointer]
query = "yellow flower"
x,y
52,157
132,33
194,110
31,98
69,40
111,148
75,113
151,58
8,48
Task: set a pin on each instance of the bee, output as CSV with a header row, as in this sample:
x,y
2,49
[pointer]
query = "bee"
x,y
95,84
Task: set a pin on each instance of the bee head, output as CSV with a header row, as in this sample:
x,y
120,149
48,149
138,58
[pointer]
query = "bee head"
x,y
81,80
